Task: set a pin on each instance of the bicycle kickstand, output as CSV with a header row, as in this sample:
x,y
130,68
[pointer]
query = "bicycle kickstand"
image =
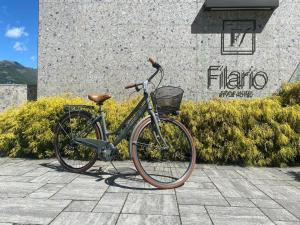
x,y
114,166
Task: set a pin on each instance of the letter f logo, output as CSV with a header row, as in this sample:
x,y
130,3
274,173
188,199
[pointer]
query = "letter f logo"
x,y
237,36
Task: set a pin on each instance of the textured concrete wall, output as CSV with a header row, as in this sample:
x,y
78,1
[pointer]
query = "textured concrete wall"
x,y
94,46
12,95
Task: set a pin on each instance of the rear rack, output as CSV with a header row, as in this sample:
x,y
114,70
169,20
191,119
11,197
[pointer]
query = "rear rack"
x,y
69,108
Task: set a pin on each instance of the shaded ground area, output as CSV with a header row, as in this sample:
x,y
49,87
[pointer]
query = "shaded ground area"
x,y
40,192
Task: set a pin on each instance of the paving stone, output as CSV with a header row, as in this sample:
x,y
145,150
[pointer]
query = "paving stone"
x,y
151,204
10,162
14,170
111,202
55,177
198,173
80,191
265,203
227,173
279,214
197,185
85,218
46,191
196,219
37,172
237,216
292,206
295,183
30,211
194,214
134,219
244,202
238,188
270,182
17,189
286,223
81,206
249,173
186,210
15,178
199,179
281,192
3,160
200,197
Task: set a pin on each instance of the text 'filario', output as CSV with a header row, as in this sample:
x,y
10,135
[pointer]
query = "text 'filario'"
x,y
236,79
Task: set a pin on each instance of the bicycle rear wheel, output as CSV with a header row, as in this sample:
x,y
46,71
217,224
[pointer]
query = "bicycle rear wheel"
x,y
73,156
163,167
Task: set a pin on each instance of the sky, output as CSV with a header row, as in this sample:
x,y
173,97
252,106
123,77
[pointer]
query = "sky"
x,y
19,31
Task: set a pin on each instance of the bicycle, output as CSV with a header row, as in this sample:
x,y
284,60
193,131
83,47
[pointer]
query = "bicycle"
x,y
161,147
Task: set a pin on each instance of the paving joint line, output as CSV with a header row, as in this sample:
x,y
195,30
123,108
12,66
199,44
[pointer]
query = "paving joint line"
x,y
217,188
208,214
122,209
59,189
36,189
60,211
275,201
178,207
100,198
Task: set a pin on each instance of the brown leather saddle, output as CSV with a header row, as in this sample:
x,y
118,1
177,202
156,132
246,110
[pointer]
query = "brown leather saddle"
x,y
99,99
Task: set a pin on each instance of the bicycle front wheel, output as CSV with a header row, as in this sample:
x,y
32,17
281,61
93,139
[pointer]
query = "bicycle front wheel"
x,y
163,166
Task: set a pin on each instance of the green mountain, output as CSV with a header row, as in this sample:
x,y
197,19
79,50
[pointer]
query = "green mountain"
x,y
15,73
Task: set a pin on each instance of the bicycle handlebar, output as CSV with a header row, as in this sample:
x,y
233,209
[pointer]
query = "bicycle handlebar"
x,y
155,65
132,85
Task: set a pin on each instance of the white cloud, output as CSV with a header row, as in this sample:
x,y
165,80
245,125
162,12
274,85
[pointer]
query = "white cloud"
x,y
32,58
16,32
20,47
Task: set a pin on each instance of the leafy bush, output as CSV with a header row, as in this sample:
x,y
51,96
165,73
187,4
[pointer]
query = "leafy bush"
x,y
252,132
290,94
263,132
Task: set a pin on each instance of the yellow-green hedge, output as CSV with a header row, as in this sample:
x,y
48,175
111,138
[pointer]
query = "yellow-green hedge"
x,y
263,132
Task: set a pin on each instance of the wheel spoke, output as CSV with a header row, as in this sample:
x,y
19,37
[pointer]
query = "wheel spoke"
x,y
64,131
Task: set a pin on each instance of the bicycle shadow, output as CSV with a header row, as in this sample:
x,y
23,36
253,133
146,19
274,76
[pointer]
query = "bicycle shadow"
x,y
123,177
295,175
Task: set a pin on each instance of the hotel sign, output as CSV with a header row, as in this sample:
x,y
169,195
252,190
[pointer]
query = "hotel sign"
x,y
235,83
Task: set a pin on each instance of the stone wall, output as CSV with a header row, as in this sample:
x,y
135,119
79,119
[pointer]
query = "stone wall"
x,y
12,95
94,46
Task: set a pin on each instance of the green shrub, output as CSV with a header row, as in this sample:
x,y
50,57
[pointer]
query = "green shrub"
x,y
27,131
252,132
262,132
290,94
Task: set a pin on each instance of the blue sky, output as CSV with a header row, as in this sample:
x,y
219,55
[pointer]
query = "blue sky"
x,y
19,31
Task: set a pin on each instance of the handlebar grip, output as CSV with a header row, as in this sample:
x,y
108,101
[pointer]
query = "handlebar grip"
x,y
152,61
130,86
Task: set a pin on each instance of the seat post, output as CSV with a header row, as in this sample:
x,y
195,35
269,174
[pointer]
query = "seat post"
x,y
100,107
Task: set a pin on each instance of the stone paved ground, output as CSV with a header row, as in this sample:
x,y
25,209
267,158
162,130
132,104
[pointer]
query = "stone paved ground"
x,y
39,192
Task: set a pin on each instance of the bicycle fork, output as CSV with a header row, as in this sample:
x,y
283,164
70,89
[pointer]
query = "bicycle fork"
x,y
157,132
